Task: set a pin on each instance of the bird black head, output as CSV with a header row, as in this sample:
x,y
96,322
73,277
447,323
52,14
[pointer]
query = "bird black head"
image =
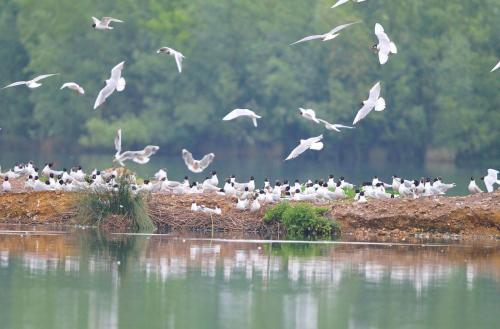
x,y
342,178
297,181
339,183
361,193
375,177
221,190
6,178
262,192
146,181
297,191
50,165
246,188
325,185
30,177
228,180
61,182
392,196
330,176
472,178
233,176
186,177
59,176
93,25
266,179
98,173
65,170
51,175
286,181
482,178
251,178
36,177
356,191
214,172
47,183
287,188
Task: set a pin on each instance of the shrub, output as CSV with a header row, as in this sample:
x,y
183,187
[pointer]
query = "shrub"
x,y
303,221
97,206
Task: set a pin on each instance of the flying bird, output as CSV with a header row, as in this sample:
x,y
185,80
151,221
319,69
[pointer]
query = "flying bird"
x,y
313,143
73,86
341,2
197,166
327,36
31,83
242,113
496,67
334,127
385,46
141,157
308,114
174,53
374,101
103,24
491,179
115,82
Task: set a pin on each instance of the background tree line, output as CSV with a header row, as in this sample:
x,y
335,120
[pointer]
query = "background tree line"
x,y
439,91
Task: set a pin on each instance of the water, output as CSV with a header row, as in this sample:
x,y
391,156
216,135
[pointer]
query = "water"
x,y
85,279
308,166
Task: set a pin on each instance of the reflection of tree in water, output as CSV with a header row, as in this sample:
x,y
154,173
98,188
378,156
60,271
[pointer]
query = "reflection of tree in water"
x,y
120,248
286,250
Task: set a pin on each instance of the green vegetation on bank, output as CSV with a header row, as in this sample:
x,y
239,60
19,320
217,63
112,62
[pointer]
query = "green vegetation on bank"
x,y
439,92
302,220
96,207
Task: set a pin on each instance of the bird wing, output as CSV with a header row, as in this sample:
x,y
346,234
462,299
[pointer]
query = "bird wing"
x,y
318,146
309,38
95,20
18,83
342,126
116,72
493,173
496,67
188,157
301,148
374,93
41,77
206,160
118,141
107,20
104,93
339,2
178,59
362,113
341,27
237,113
68,85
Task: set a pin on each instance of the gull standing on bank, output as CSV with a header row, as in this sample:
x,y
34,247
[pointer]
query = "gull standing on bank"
x,y
313,143
115,82
374,101
341,2
385,46
32,84
174,53
473,188
242,113
141,157
197,166
103,24
335,32
73,86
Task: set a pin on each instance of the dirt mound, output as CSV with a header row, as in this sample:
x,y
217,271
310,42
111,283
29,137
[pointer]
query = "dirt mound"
x,y
173,212
37,207
471,215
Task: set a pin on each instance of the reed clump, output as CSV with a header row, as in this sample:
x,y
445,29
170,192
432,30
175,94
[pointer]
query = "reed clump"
x,y
118,207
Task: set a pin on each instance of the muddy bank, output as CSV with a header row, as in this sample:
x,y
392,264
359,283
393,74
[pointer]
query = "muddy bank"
x,y
470,215
477,215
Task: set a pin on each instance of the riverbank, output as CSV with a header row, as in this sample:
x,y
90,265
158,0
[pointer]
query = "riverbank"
x,y
469,216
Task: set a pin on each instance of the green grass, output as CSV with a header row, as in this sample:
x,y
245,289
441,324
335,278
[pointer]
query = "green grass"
x,y
96,207
303,221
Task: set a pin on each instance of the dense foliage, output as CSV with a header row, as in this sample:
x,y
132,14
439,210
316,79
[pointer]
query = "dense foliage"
x,y
302,221
96,207
438,88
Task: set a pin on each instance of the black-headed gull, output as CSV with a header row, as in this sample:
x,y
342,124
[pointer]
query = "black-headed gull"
x,y
141,157
242,113
74,86
103,24
115,82
374,101
385,46
473,188
32,84
197,166
313,143
174,53
308,114
327,36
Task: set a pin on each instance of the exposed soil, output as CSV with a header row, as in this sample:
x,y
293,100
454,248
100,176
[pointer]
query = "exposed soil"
x,y
477,215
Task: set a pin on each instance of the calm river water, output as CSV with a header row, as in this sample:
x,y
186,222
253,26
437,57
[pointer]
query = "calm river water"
x,y
83,279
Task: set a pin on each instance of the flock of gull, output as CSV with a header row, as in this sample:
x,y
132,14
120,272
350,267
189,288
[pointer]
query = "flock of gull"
x,y
249,197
